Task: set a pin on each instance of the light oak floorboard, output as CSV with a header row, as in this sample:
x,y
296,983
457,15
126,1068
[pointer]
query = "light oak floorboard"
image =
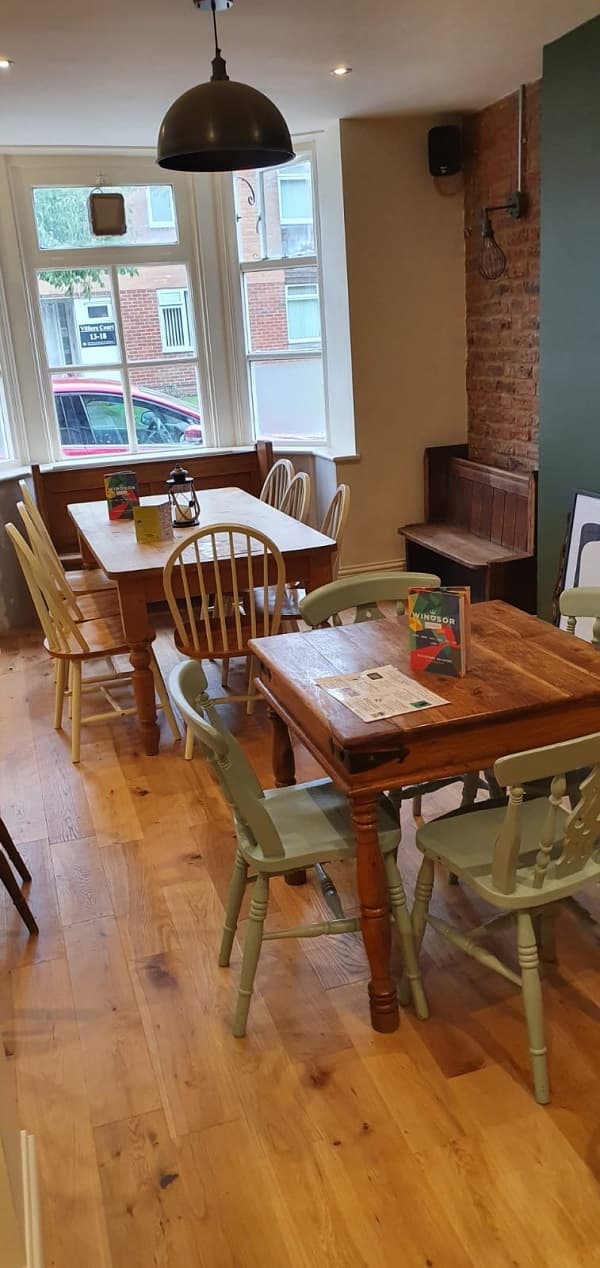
x,y
314,1142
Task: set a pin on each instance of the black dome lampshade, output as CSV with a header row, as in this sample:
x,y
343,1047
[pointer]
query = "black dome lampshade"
x,y
222,126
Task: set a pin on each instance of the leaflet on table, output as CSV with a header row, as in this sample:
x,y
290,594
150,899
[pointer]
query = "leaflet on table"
x,y
382,692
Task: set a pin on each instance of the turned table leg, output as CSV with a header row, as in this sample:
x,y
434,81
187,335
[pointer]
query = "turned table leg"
x,y
284,770
139,636
376,928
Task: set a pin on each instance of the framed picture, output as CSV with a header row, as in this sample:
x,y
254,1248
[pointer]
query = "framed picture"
x,y
107,214
582,556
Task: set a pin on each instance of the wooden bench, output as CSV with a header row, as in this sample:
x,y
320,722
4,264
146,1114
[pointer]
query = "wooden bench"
x,y
56,487
480,528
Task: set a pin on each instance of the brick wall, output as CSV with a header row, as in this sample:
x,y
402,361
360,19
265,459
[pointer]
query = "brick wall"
x,y
503,316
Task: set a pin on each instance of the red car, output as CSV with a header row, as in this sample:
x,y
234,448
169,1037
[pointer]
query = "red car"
x,y
91,418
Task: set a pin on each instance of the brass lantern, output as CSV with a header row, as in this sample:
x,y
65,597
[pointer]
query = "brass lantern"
x,y
182,496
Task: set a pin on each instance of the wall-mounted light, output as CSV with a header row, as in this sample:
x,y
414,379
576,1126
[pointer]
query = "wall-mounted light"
x,y
6,63
492,260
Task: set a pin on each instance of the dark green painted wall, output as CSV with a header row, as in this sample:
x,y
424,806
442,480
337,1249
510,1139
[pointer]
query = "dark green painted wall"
x,y
570,289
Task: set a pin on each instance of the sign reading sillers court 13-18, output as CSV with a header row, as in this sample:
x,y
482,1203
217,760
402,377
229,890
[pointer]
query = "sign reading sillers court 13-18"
x,y
92,333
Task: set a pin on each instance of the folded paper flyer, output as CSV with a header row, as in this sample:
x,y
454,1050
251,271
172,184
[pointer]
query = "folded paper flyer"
x,y
379,693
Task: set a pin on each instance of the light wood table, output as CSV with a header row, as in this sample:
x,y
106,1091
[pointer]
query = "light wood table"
x,y
529,684
138,570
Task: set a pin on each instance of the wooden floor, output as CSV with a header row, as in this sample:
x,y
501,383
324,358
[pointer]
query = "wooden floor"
x,y
164,1141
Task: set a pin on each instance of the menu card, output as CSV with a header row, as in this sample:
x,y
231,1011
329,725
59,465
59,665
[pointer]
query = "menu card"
x,y
378,693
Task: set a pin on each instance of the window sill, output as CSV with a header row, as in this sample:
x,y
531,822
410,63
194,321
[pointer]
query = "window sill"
x,y
15,472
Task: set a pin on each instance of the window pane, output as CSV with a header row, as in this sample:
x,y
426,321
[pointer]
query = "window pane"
x,y
288,399
62,217
91,413
78,317
280,303
274,212
166,405
156,312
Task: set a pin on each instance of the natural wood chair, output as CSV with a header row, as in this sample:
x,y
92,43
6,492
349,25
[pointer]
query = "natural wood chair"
x,y
216,615
73,643
334,525
278,831
81,581
296,499
85,606
8,851
524,858
277,482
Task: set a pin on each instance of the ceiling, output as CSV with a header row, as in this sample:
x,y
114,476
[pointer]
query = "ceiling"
x,y
103,75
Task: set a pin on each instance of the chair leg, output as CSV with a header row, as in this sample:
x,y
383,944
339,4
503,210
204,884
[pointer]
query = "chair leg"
x,y
70,690
59,692
251,686
423,892
10,884
13,853
235,894
404,926
252,945
533,1004
225,672
188,752
163,696
76,710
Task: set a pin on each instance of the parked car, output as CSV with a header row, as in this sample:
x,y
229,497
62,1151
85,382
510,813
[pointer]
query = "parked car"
x,y
91,418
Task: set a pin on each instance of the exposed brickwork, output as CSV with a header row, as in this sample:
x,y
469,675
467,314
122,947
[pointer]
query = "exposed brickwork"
x,y
503,316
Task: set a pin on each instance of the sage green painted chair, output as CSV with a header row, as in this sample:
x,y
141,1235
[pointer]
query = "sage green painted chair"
x,y
582,602
523,858
280,830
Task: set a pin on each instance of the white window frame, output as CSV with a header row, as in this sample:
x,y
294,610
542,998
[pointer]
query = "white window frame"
x,y
183,303
24,174
11,411
238,270
297,299
293,176
153,222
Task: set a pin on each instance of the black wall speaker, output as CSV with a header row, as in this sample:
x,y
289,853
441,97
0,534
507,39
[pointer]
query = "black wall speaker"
x,y
444,148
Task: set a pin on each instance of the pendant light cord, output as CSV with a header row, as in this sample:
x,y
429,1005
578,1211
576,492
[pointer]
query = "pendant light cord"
x,y
214,18
218,65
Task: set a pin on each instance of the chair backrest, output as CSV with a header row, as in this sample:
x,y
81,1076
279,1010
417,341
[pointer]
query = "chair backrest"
x,y
187,689
42,546
276,484
336,515
62,632
296,499
582,602
564,856
210,582
363,593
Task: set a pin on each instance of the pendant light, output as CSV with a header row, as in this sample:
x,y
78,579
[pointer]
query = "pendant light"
x,y
222,126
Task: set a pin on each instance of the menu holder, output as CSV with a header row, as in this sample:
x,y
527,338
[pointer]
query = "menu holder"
x,y
121,488
439,624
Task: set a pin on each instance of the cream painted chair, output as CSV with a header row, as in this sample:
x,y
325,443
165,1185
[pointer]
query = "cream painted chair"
x,y
334,526
211,583
524,859
81,581
582,602
72,644
277,482
278,831
85,606
296,499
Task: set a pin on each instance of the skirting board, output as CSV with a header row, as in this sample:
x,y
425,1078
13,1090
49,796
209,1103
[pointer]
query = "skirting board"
x,y
382,565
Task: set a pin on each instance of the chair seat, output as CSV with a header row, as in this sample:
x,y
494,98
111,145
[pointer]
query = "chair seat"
x,y
290,610
464,843
236,646
314,824
104,637
101,604
89,581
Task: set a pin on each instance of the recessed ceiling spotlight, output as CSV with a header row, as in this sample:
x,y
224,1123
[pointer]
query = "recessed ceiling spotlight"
x,y
5,63
341,70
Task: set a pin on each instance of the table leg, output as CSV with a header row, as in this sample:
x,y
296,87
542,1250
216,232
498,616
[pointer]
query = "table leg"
x,y
138,635
284,770
376,927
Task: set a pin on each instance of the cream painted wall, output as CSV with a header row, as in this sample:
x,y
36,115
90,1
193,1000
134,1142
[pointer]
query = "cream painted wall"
x,y
406,286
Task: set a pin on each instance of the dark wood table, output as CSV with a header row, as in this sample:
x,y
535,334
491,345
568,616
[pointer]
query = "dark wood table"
x,y
529,684
138,570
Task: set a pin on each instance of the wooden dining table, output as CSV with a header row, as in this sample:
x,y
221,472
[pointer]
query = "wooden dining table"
x,y
138,569
528,684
